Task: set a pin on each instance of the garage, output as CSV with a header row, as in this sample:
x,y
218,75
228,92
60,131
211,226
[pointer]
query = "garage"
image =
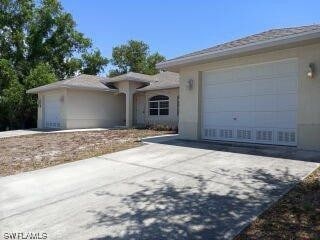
x,y
254,103
52,110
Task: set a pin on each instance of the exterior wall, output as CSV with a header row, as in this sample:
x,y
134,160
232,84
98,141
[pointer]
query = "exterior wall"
x,y
91,109
41,108
128,88
308,92
140,109
170,120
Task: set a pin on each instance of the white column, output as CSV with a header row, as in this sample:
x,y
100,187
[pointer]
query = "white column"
x,y
129,109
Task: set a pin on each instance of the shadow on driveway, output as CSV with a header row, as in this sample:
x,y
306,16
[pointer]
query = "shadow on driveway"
x,y
285,152
161,210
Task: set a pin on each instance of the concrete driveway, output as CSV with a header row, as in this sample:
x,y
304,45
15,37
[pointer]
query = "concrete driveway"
x,y
173,190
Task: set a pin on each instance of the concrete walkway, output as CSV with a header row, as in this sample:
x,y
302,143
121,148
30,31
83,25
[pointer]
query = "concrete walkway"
x,y
171,190
16,133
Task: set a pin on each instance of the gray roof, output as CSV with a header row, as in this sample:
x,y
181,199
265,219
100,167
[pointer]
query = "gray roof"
x,y
273,34
163,80
82,81
132,76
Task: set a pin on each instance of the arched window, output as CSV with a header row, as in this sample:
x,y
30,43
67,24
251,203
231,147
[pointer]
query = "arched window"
x,y
159,105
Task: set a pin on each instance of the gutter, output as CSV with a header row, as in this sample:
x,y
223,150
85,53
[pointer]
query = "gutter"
x,y
312,35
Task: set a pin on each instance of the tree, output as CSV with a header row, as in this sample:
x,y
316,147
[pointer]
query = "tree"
x,y
38,38
7,74
134,56
41,75
11,103
152,60
92,63
10,94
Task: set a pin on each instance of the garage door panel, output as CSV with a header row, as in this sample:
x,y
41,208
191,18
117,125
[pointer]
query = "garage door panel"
x,y
287,85
52,111
286,119
289,67
265,86
229,104
264,119
229,119
228,90
243,74
287,102
219,119
243,119
212,91
265,103
256,103
286,137
218,77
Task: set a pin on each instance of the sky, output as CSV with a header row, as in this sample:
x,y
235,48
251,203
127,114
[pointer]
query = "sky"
x,y
176,27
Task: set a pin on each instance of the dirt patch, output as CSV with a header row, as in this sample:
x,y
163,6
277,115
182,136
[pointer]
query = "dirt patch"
x,y
295,216
31,152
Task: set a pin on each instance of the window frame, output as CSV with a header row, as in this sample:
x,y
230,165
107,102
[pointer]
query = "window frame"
x,y
159,100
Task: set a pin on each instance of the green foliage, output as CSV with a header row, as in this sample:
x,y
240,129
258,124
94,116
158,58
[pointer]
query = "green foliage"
x,y
152,60
134,56
38,44
7,74
11,101
8,84
93,62
41,75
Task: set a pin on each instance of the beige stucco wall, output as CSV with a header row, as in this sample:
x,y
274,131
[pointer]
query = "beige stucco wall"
x,y
41,107
308,92
91,109
128,88
170,120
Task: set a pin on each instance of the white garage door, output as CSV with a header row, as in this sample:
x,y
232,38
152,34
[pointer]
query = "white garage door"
x,y
52,111
255,103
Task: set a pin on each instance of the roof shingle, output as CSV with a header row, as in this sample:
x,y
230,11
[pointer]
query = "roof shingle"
x,y
163,80
81,81
272,34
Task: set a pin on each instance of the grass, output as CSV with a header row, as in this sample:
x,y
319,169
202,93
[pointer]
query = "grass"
x,y
31,152
295,216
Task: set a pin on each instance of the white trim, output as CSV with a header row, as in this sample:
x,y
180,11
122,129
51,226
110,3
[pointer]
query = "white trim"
x,y
311,35
70,87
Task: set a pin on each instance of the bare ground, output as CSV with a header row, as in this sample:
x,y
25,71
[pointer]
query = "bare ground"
x,y
31,152
295,216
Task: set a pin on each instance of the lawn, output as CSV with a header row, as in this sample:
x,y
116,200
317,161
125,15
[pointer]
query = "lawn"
x,y
295,216
31,152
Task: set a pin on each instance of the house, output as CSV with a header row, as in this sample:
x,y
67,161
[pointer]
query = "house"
x,y
263,88
87,101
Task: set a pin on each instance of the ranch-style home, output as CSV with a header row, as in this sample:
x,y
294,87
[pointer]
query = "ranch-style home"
x,y
263,88
87,101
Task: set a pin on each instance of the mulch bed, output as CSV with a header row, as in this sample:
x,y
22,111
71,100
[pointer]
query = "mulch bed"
x,y
295,216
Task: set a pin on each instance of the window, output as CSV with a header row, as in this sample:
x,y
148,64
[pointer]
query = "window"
x,y
159,105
